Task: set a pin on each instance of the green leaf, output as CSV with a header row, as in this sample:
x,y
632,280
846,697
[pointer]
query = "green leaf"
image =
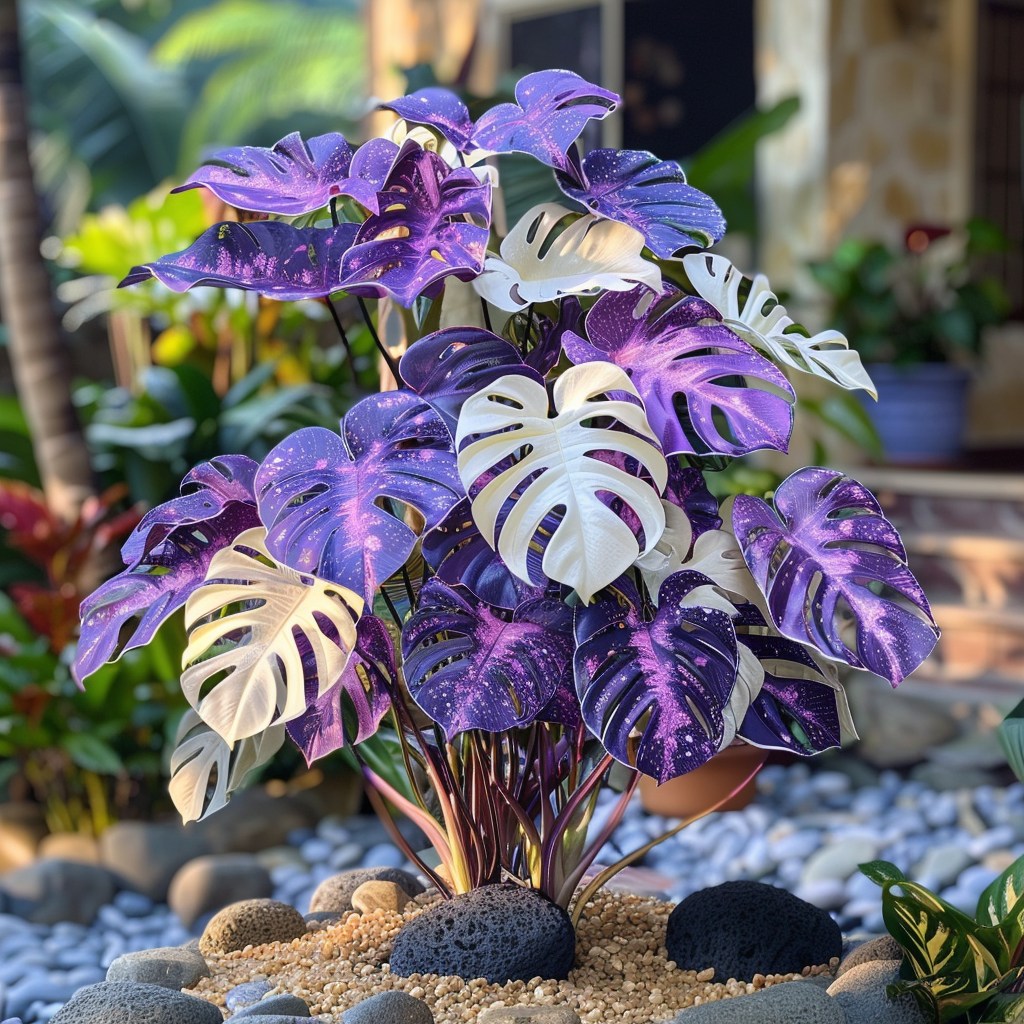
x,y
1003,896
881,871
155,442
92,754
1004,1008
1011,738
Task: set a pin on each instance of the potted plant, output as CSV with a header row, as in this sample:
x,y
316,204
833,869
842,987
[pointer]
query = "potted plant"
x,y
506,575
916,316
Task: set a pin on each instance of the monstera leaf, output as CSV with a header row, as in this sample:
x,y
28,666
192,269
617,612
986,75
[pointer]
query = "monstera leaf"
x,y
205,771
364,689
651,195
538,265
550,112
448,366
801,706
335,506
765,324
205,492
291,178
433,223
249,625
469,668
153,587
559,476
678,349
270,257
670,679
834,573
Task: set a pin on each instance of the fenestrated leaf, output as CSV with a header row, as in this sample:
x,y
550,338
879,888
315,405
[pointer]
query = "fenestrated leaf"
x,y
636,188
437,108
671,678
250,624
433,223
293,177
834,572
538,265
764,323
205,770
153,588
676,349
335,506
270,257
364,688
469,668
558,477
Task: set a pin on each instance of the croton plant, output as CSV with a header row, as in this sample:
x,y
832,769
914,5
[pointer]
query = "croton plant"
x,y
506,574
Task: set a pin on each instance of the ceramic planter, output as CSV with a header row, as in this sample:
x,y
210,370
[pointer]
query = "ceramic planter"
x,y
697,790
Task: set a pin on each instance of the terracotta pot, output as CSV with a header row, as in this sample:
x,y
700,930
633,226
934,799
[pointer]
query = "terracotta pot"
x,y
697,790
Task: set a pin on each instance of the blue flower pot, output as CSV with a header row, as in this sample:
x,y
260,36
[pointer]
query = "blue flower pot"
x,y
920,413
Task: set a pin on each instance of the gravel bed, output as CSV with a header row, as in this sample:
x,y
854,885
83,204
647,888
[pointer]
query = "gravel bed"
x,y
806,832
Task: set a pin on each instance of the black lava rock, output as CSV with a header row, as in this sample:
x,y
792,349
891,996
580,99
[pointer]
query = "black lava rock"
x,y
747,928
498,932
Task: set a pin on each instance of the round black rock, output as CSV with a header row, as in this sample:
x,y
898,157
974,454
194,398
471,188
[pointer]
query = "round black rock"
x,y
498,932
747,928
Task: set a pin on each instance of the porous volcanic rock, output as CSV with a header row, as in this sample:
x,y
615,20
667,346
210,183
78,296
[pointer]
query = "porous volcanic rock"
x,y
747,928
125,1002
49,891
389,1008
498,932
212,882
174,967
251,922
334,894
885,947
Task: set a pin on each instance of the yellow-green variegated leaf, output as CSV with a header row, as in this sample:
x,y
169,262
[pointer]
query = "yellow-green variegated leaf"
x,y
543,471
590,254
764,323
205,771
257,629
1004,897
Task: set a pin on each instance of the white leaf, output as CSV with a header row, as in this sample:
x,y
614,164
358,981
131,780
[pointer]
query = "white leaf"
x,y
243,663
591,545
666,557
749,679
590,254
763,322
205,770
434,142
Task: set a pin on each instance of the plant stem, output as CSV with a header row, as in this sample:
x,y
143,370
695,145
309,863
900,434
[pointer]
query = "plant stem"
x,y
388,358
487,316
349,357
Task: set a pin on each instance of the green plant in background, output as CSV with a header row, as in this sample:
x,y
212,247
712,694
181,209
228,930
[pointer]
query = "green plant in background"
x,y
926,303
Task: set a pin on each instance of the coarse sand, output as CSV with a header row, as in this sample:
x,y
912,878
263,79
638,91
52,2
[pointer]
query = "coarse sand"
x,y
621,975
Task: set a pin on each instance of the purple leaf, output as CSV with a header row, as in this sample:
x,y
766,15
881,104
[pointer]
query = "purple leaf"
x,y
269,257
688,490
154,588
365,687
671,678
459,555
292,178
671,351
550,112
205,492
436,108
446,367
796,709
335,505
545,354
469,668
651,195
434,222
834,572
370,168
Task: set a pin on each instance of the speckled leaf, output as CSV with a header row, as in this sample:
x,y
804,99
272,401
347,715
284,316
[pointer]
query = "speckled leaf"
x,y
153,588
736,401
270,257
468,668
293,177
544,356
802,706
636,188
206,491
370,168
834,572
434,222
551,110
671,678
448,366
335,506
437,108
364,689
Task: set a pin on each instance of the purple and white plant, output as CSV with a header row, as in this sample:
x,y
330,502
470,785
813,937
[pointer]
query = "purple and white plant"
x,y
508,574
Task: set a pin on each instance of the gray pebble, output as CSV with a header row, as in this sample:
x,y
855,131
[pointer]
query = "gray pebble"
x,y
861,994
795,1002
170,967
246,994
283,1005
389,1008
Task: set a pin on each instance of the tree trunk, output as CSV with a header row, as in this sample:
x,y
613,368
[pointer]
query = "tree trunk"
x,y
37,350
